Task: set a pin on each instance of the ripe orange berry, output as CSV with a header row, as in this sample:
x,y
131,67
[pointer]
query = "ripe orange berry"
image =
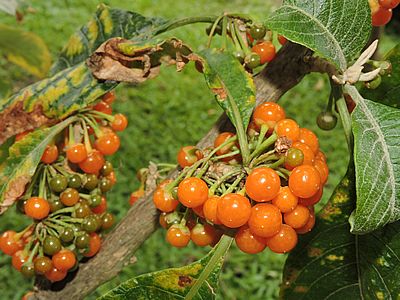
x,y
281,39
389,4
322,169
162,220
76,153
202,235
320,156
8,244
178,235
248,242
101,208
94,245
268,113
308,154
64,260
50,154
93,162
192,192
109,97
103,107
164,200
284,241
310,139
119,123
18,259
313,199
382,16
55,275
298,217
135,196
265,220
210,209
233,210
263,184
304,181
266,50
309,225
188,155
37,208
285,200
108,143
288,128
222,138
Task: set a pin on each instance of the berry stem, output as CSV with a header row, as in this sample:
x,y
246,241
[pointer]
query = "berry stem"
x,y
239,37
109,118
224,25
264,145
233,35
221,180
33,252
86,138
219,252
263,132
42,184
61,211
234,184
233,153
210,36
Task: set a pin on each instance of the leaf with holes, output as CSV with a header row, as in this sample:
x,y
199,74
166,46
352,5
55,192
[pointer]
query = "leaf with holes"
x,y
389,90
377,161
198,280
24,156
105,24
335,29
331,263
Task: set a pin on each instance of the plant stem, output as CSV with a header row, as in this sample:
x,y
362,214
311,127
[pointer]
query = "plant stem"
x,y
182,22
210,36
220,250
234,184
264,145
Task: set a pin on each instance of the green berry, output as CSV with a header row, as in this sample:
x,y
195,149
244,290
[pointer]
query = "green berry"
x,y
75,181
51,245
56,205
90,224
105,185
58,183
326,121
294,157
28,270
107,168
90,182
82,210
258,31
67,235
95,200
82,241
252,60
239,55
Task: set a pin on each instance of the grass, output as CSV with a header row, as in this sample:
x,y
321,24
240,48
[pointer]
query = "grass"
x,y
165,113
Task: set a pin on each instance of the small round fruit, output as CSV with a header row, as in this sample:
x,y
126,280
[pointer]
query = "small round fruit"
x,y
265,220
101,208
105,185
28,270
82,240
313,199
67,235
136,195
37,208
308,154
8,244
64,260
69,197
265,50
381,17
119,123
294,158
263,184
281,39
42,265
192,192
90,224
163,200
252,60
103,107
285,200
108,143
322,169
55,275
82,210
55,205
21,135
109,97
221,139
188,155
309,225
320,156
75,181
107,168
239,55
51,245
258,31
91,181
93,163
50,154
162,220
304,181
76,153
18,259
389,4
233,210
284,241
210,209
202,235
248,242
326,120
108,221
58,183
310,139
268,113
298,217
288,128
178,236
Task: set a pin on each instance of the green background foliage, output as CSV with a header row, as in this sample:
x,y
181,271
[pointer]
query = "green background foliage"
x,y
165,113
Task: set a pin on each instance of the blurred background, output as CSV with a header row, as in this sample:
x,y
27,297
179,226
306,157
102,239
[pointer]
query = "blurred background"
x,y
173,110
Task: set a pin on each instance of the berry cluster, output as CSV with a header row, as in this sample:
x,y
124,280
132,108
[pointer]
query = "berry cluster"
x,y
382,11
264,203
66,196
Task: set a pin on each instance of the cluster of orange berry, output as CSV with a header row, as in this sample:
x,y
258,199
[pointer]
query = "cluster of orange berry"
x,y
264,203
382,11
66,196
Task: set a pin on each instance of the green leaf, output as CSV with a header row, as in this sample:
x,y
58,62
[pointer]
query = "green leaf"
x,y
377,162
331,263
24,156
198,280
4,149
389,89
233,87
335,29
14,43
105,24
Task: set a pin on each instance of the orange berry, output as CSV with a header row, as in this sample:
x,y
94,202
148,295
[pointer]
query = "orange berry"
x,y
268,113
308,154
37,208
119,123
202,235
313,199
288,128
76,153
322,169
304,181
285,200
263,184
178,236
94,245
50,154
284,241
298,217
249,242
192,192
188,155
109,97
233,210
310,139
265,220
55,275
210,209
309,225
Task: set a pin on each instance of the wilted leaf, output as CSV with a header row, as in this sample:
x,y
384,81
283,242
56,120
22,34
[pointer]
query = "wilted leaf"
x,y
335,29
232,85
15,42
176,283
332,263
377,161
389,90
105,24
24,156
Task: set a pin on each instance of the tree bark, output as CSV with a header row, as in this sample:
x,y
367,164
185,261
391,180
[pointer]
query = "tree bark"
x,y
284,72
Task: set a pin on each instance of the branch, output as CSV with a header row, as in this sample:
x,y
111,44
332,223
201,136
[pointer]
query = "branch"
x,y
288,68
